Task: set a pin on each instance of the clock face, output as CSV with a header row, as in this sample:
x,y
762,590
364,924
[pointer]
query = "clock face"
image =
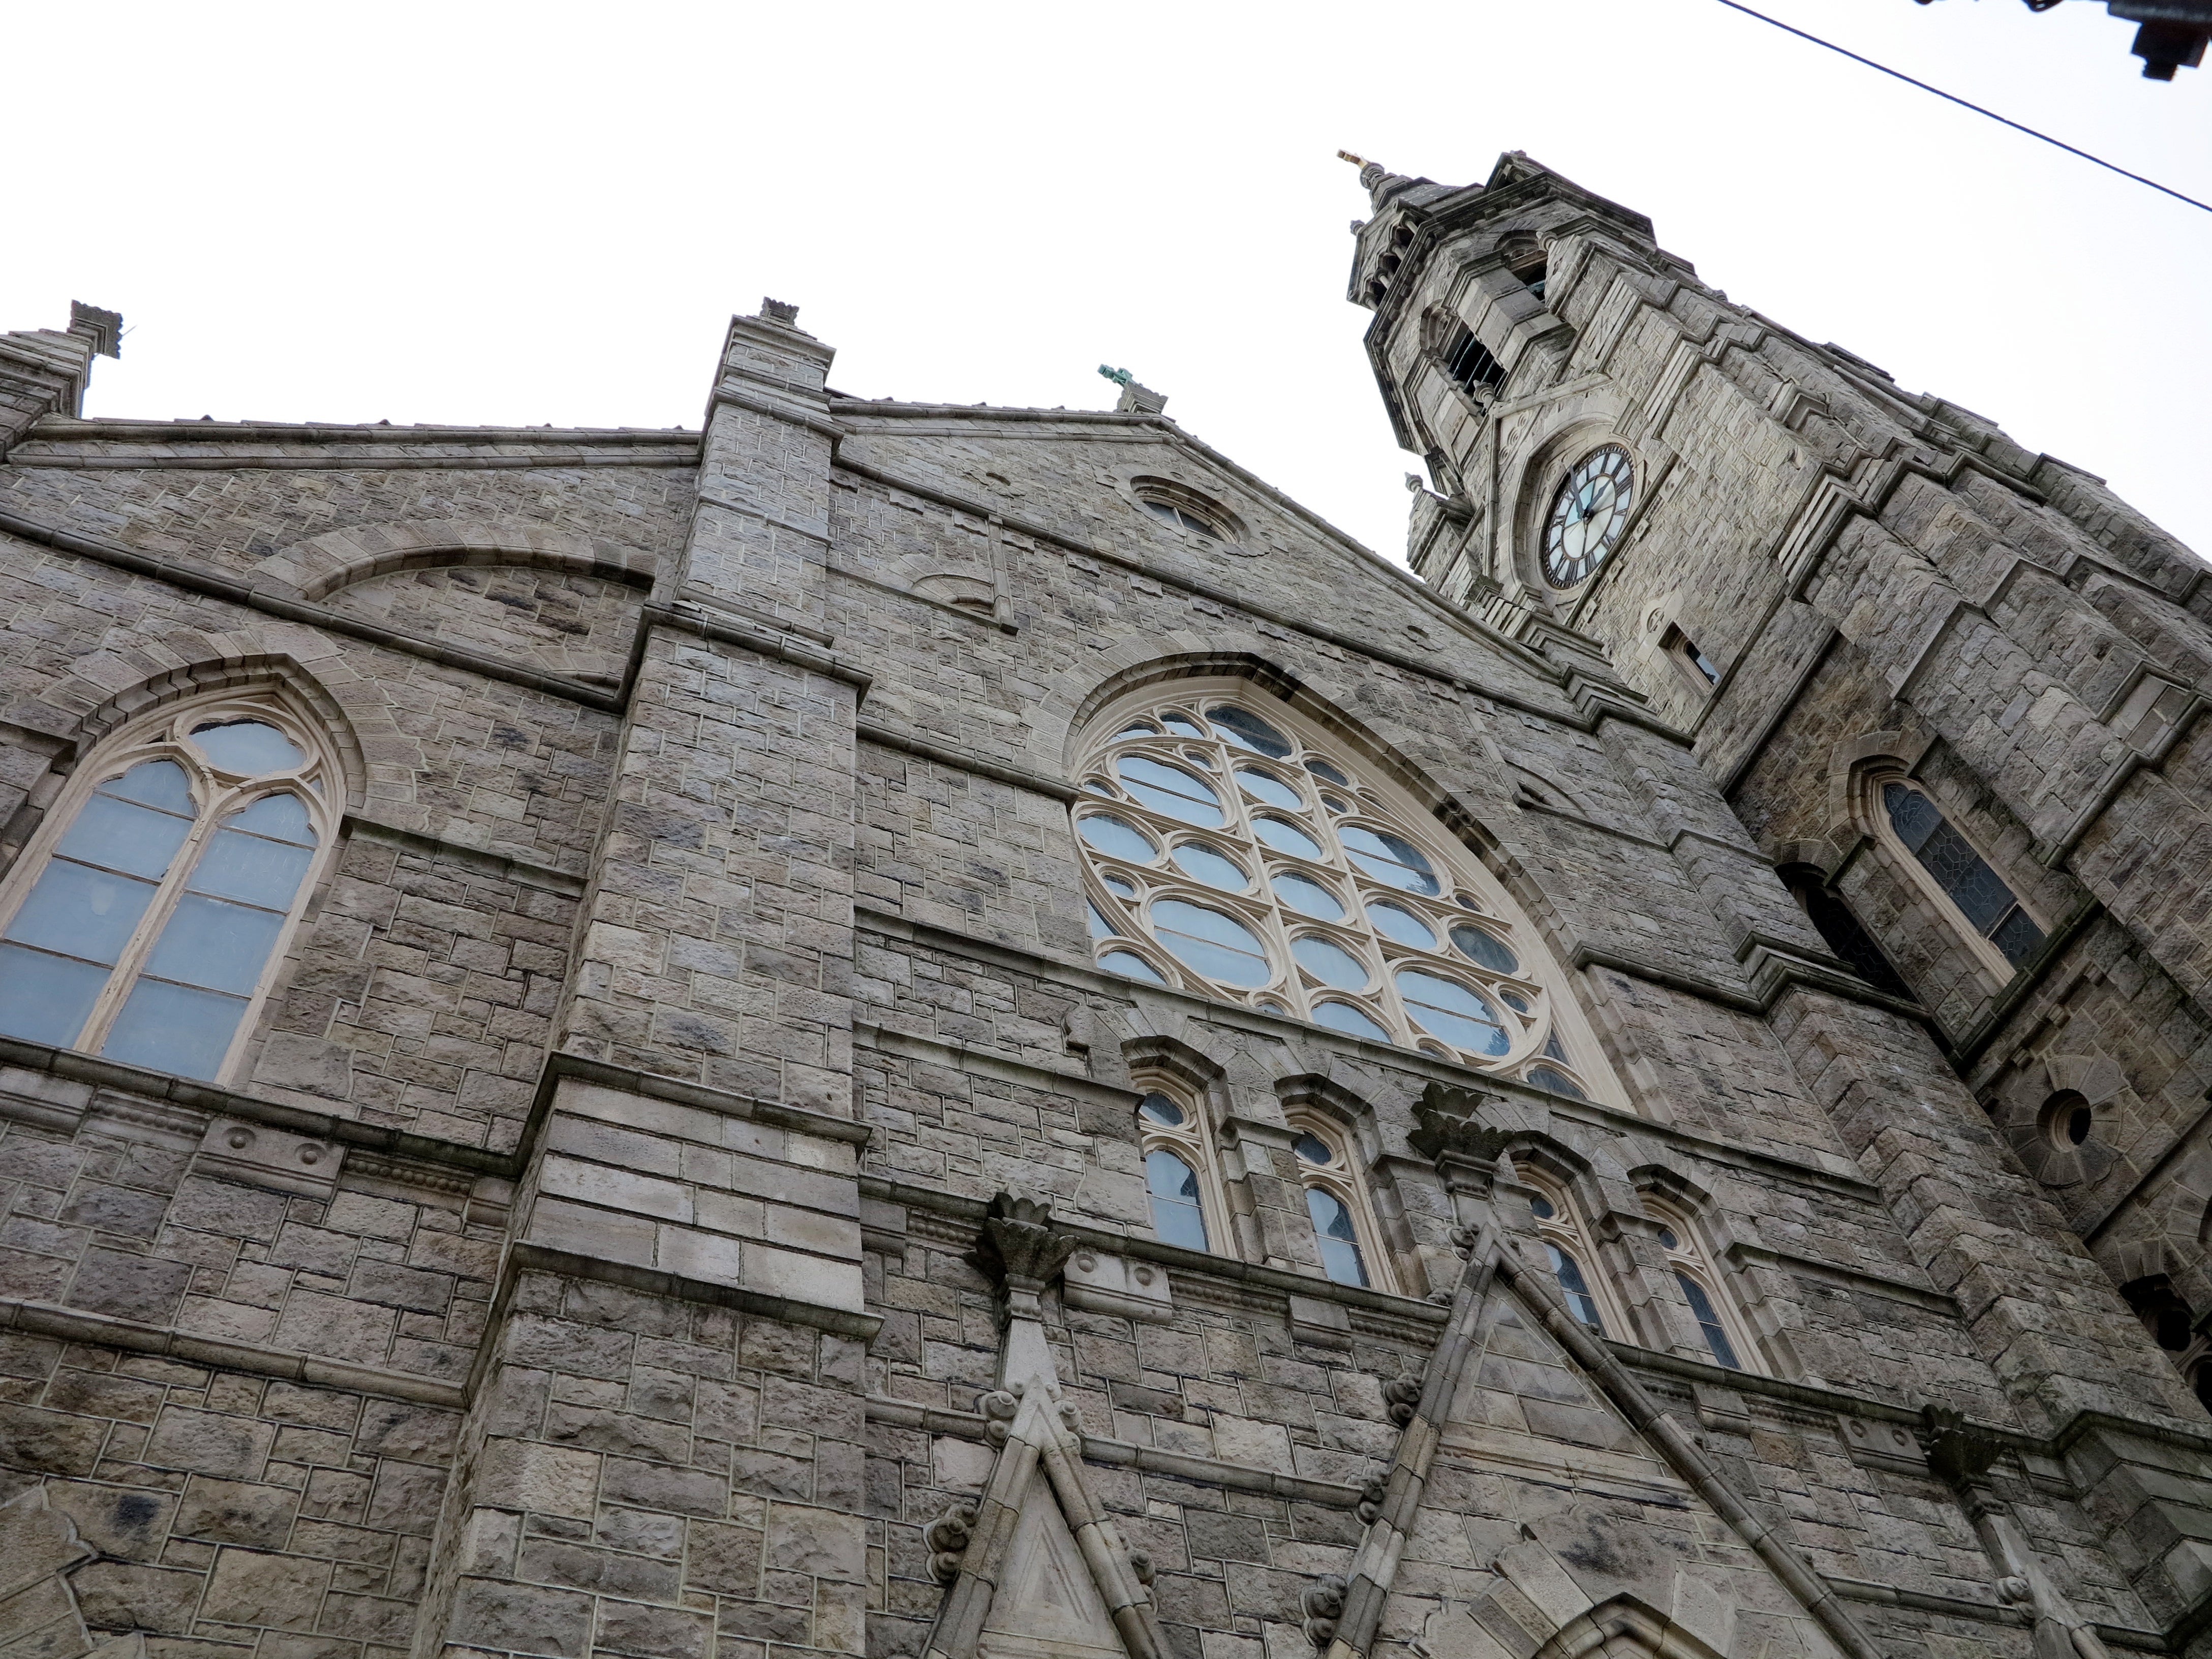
x,y
1587,515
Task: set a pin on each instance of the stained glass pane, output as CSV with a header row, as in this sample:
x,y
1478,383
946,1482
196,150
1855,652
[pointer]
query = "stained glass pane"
x,y
1162,1110
1709,1322
280,817
1580,1303
2017,937
1912,814
1248,731
1388,858
1477,946
1314,1150
248,867
1543,1077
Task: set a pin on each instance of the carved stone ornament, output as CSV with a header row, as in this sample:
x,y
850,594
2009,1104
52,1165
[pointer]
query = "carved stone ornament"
x,y
1958,1453
1018,1249
1453,1135
998,1408
1141,1564
1323,1603
1463,1241
947,1537
1369,1506
1402,1395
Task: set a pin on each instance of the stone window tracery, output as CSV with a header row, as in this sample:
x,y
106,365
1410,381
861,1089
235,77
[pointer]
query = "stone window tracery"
x,y
1975,895
1243,856
1336,1204
146,922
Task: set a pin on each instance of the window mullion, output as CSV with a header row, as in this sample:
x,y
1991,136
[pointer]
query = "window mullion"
x,y
132,960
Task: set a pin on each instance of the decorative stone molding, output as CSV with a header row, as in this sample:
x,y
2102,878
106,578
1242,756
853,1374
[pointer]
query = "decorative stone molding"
x,y
1403,1397
1453,1135
948,1538
1018,1249
1323,1603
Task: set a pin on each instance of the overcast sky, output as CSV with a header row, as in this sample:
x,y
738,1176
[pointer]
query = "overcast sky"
x,y
546,213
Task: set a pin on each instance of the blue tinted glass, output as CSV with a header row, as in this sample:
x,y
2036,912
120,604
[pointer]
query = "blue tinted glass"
x,y
1709,1322
1170,789
1402,925
1217,945
81,912
1286,837
1543,1077
45,999
1130,965
171,1028
1477,945
1176,1216
1314,1150
1273,791
119,834
1100,927
1321,769
1118,836
1580,1303
1307,897
1388,858
248,746
264,872
280,817
1330,963
1210,868
1338,1238
1248,731
1343,1016
1452,1012
210,943
1161,1109
1912,814
2016,936
156,783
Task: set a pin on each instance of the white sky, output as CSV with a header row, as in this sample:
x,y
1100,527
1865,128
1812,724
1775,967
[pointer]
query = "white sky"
x,y
480,213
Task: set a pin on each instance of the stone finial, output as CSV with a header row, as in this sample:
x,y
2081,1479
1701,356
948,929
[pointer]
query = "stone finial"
x,y
103,328
948,1538
1959,1453
1019,1249
1369,1509
1401,1398
778,310
1465,1149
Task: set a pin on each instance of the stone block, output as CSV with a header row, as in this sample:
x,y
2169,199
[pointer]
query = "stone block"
x,y
524,1475
210,1443
527,1619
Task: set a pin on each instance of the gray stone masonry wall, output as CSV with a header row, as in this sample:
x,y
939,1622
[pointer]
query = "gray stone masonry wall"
x,y
604,1247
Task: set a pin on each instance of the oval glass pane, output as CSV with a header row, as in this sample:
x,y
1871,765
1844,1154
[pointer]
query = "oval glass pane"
x,y
1213,943
1330,963
1388,858
1181,724
1121,885
1487,949
1195,858
1338,807
1343,1016
1248,731
1118,836
1130,965
1321,769
1273,791
1307,897
1543,1077
1452,1012
1314,1150
1099,786
247,747
1286,837
1140,729
1170,789
1393,922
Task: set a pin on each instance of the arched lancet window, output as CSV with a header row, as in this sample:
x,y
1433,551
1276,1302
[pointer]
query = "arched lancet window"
x,y
1336,1204
1574,1260
1976,892
1179,1172
146,919
1245,856
1701,1288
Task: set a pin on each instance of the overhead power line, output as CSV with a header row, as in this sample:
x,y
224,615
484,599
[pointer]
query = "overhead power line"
x,y
1735,5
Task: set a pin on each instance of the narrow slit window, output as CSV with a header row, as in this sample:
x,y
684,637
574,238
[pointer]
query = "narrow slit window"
x,y
1696,666
1471,367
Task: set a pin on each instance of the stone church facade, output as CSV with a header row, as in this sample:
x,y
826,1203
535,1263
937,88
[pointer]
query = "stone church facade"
x,y
906,1030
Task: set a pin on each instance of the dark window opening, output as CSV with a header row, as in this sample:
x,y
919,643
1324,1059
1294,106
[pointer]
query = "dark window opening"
x,y
1531,273
2202,1384
1963,873
1471,366
2164,1313
1842,932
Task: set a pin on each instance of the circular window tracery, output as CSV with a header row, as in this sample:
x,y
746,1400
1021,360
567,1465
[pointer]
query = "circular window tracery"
x,y
1332,911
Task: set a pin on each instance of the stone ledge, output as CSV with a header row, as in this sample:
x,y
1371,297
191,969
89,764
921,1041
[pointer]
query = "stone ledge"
x,y
132,1336
906,742
497,865
654,1281
655,1086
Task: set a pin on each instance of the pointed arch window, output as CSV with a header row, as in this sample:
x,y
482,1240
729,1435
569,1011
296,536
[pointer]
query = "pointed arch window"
x,y
1246,856
1573,1259
1692,1270
1179,1178
146,922
1336,1204
1975,891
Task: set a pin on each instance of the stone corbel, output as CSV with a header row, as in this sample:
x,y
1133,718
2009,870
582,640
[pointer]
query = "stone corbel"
x,y
1018,1250
1453,1135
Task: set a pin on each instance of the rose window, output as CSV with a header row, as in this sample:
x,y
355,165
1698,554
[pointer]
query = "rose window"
x,y
1229,857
